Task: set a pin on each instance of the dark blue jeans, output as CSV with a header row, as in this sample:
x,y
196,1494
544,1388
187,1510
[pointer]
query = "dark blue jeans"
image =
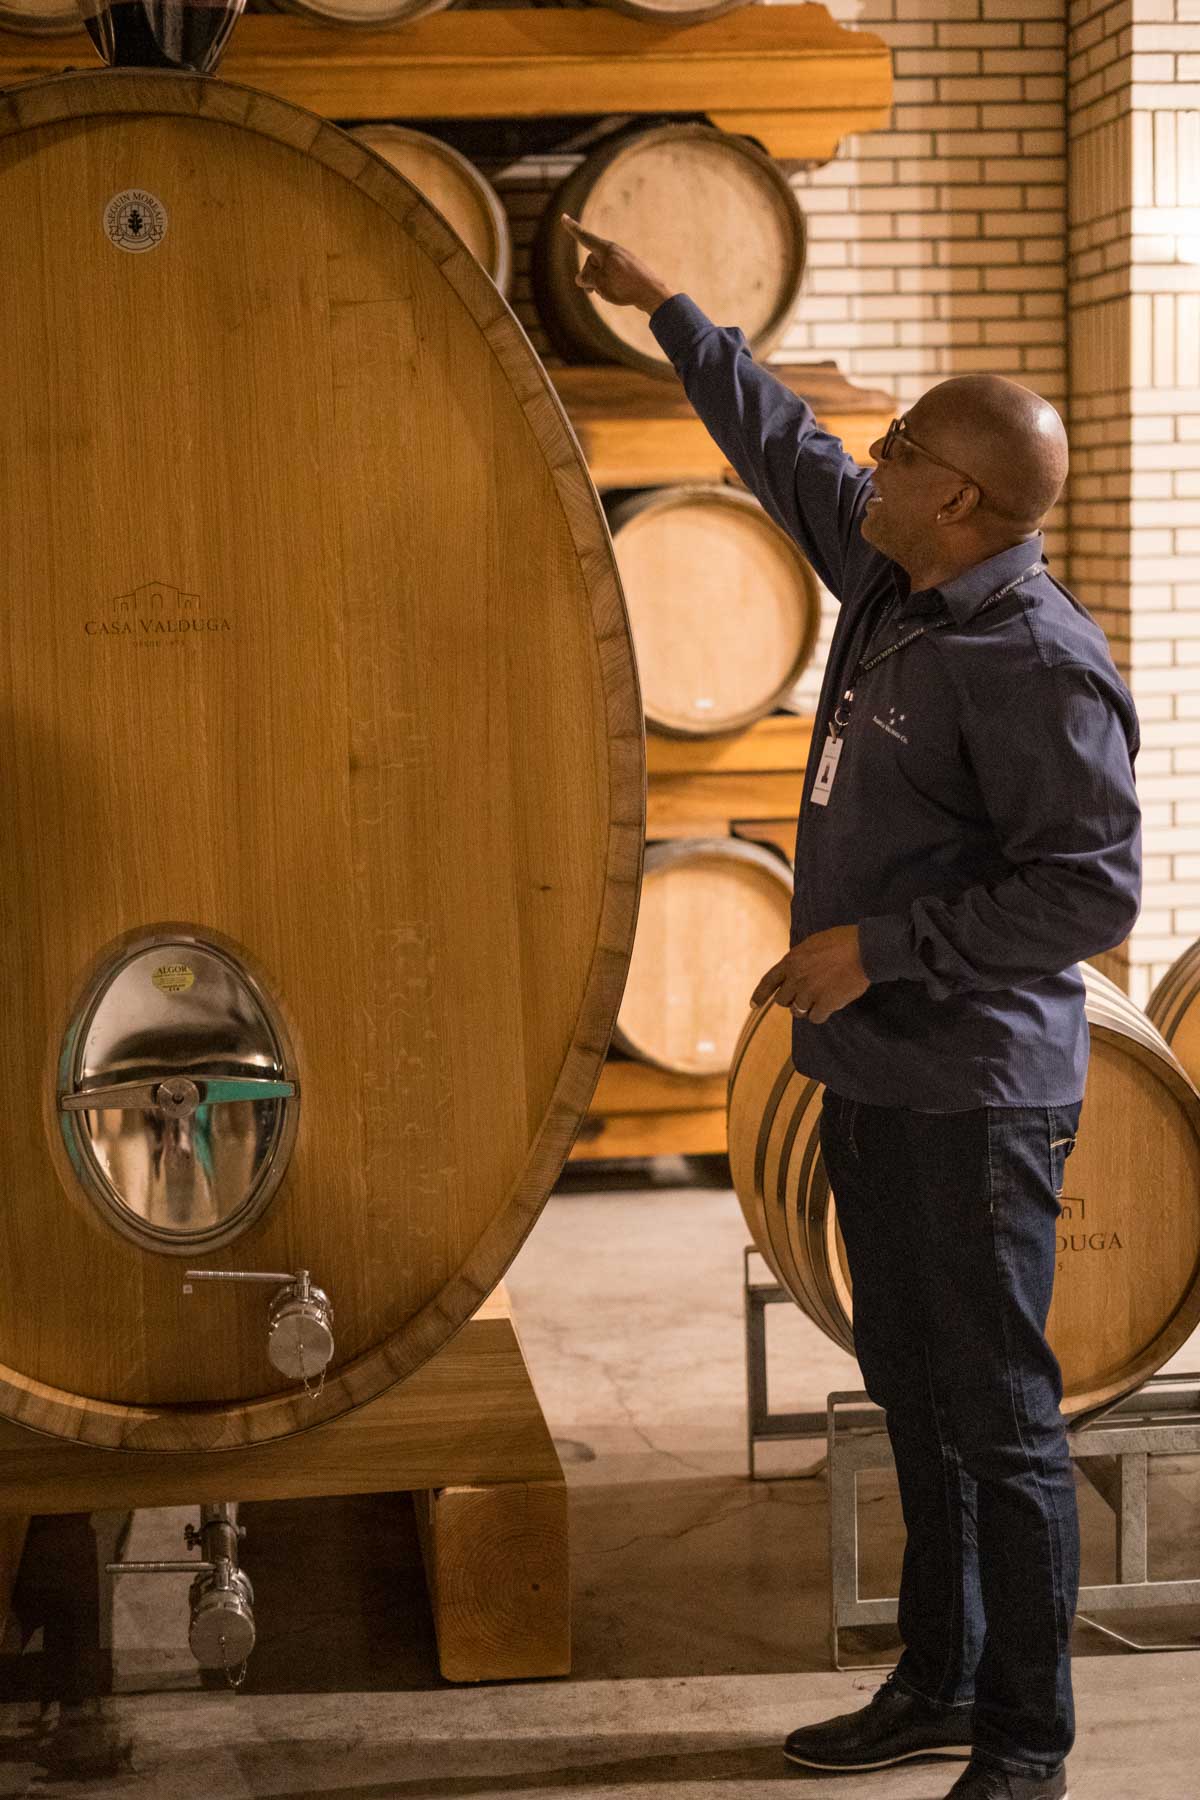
x,y
950,1222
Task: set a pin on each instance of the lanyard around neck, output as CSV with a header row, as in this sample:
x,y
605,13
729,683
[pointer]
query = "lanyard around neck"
x,y
842,711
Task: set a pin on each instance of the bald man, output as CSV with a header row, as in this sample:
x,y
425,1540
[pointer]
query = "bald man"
x,y
969,831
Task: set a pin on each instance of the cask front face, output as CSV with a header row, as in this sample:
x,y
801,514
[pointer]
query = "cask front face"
x,y
312,643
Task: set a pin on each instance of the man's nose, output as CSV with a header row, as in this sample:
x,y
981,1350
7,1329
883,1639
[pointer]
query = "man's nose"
x,y
875,450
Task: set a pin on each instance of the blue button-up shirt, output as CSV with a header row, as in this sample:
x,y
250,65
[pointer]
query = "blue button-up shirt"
x,y
983,829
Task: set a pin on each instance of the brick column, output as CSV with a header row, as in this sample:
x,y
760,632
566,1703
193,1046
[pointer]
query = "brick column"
x,y
1134,339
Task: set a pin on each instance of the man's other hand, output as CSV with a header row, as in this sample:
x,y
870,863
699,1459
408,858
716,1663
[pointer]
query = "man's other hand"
x,y
818,976
615,273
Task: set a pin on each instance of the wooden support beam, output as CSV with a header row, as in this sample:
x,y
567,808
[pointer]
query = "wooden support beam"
x,y
690,1133
637,430
703,805
787,75
779,834
779,744
465,1434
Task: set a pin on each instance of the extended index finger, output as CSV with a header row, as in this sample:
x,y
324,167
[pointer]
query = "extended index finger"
x,y
589,239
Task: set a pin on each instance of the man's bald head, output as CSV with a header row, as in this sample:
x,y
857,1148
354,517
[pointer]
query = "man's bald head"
x,y
977,465
1010,440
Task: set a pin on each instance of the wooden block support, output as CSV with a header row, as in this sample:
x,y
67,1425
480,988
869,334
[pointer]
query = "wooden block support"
x,y
13,1527
496,1561
778,744
466,1424
637,430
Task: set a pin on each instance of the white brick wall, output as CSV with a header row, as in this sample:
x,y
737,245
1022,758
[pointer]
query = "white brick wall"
x,y
937,246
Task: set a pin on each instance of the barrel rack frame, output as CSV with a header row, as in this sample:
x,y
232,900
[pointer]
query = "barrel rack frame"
x,y
1112,1449
787,75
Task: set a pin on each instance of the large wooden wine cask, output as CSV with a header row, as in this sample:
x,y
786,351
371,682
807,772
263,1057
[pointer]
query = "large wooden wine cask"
x,y
1127,1291
463,196
714,917
321,764
724,607
1174,1007
709,212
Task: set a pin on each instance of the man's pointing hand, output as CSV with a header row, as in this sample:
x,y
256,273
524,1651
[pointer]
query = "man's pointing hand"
x,y
615,273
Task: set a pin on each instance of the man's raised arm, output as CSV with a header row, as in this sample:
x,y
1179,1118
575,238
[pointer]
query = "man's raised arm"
x,y
801,474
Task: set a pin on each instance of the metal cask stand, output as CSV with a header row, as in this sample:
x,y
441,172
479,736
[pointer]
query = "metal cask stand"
x,y
1113,1450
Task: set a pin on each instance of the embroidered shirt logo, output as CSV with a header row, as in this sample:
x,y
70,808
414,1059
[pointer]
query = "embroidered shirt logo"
x,y
891,723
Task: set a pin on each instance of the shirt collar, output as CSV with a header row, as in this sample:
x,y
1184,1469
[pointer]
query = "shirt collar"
x,y
966,593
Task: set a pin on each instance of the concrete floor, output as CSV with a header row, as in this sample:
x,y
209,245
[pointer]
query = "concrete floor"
x,y
700,1599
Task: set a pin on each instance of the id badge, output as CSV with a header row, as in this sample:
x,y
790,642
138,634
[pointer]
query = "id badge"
x,y
826,770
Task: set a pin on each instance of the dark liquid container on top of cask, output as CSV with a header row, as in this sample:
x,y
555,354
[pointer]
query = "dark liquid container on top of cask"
x,y
161,34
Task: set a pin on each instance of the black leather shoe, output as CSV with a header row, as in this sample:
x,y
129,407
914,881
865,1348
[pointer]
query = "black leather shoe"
x,y
980,1783
895,1727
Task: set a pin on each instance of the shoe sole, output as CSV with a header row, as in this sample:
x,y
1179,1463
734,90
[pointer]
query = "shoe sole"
x,y
959,1752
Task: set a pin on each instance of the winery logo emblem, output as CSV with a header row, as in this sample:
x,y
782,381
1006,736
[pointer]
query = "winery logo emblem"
x,y
157,614
135,220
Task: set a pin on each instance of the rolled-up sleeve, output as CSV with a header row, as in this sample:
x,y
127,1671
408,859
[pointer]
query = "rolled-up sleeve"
x,y
801,474
1054,765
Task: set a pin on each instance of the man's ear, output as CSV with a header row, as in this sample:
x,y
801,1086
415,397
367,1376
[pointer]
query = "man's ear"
x,y
960,506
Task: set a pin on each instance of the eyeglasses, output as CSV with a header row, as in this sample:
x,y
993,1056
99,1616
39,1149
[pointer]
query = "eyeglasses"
x,y
899,429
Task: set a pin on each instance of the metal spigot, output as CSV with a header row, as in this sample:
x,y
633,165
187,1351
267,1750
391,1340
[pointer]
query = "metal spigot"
x,y
299,1323
221,1630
